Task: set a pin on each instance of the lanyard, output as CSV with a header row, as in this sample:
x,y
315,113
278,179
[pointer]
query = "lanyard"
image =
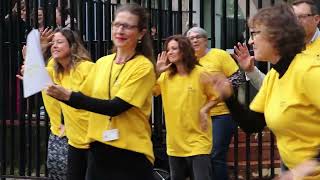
x,y
110,75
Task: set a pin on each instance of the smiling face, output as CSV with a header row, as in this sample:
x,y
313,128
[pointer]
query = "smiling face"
x,y
263,48
199,43
60,48
125,31
173,52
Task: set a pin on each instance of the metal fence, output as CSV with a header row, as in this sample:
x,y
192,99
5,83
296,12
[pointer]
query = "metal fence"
x,y
24,125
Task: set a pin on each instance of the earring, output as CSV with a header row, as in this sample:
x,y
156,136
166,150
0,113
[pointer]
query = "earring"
x,y
139,41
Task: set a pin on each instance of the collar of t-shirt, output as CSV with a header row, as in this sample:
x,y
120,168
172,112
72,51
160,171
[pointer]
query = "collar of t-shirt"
x,y
315,36
282,65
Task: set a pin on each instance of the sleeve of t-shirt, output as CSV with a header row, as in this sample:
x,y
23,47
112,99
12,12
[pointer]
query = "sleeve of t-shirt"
x,y
311,84
156,90
258,103
86,86
229,66
84,69
139,86
205,80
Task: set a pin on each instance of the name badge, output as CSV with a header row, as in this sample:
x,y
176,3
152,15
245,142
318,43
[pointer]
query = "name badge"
x,y
110,135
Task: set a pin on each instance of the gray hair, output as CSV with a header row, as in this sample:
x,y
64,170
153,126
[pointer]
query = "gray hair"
x,y
199,31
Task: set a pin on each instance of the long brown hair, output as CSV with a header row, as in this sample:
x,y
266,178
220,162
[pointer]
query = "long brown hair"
x,y
145,47
188,57
78,51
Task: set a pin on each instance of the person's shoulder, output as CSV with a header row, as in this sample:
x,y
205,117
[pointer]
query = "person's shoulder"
x,y
200,68
141,61
219,54
86,62
305,61
217,51
85,65
105,59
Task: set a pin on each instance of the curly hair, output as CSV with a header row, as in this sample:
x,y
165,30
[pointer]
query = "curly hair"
x,y
189,59
78,51
282,29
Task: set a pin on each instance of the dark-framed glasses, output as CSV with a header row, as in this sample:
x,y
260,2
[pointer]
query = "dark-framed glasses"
x,y
304,16
191,38
125,26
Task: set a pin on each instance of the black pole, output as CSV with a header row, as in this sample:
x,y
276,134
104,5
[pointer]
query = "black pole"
x,y
170,21
2,94
108,20
160,25
190,13
236,137
179,19
213,24
202,13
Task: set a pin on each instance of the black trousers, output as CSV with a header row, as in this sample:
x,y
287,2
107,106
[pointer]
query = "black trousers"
x,y
77,163
111,163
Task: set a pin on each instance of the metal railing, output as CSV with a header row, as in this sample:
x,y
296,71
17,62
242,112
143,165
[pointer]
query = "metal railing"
x,y
24,125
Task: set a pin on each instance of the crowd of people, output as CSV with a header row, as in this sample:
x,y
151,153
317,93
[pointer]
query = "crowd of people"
x,y
99,112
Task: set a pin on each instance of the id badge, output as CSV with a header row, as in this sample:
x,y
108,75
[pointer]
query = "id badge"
x,y
110,135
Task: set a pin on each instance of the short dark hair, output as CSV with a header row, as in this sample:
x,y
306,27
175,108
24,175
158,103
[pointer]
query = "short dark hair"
x,y
282,28
189,59
313,7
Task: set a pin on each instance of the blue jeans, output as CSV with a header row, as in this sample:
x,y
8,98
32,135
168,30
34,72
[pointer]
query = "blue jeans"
x,y
223,128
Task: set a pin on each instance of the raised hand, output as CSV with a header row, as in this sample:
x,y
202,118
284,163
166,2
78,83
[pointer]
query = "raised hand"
x,y
46,36
241,54
59,92
162,63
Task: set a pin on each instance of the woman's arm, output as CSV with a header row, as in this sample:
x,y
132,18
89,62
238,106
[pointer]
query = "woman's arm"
x,y
78,100
111,107
237,78
249,121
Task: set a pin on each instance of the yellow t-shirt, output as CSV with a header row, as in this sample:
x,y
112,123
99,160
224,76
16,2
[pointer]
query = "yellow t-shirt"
x,y
75,120
291,106
52,105
313,48
133,83
183,97
219,60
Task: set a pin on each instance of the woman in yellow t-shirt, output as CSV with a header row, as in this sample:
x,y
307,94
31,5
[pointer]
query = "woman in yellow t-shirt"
x,y
184,89
119,92
223,126
57,143
288,102
71,67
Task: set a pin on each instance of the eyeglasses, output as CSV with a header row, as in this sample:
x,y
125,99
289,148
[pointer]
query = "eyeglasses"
x,y
254,34
191,38
125,26
303,16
